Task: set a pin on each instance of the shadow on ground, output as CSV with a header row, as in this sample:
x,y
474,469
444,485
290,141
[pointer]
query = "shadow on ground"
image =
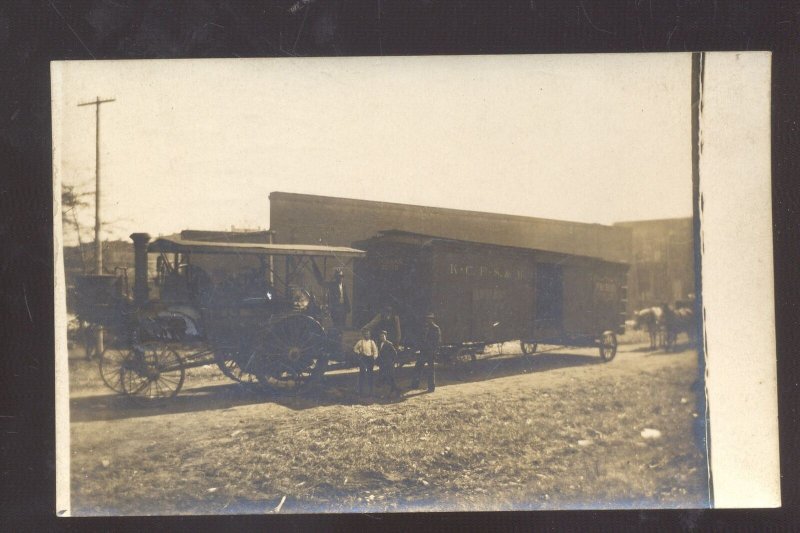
x,y
340,388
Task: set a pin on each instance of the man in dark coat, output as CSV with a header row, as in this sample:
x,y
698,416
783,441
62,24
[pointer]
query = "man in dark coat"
x,y
429,347
387,354
336,296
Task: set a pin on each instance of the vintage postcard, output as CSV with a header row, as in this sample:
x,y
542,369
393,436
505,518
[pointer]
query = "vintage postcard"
x,y
333,285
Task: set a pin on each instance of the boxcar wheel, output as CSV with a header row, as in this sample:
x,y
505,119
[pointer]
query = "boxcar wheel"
x,y
152,372
608,345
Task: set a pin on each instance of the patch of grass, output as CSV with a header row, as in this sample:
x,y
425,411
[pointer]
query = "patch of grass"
x,y
511,445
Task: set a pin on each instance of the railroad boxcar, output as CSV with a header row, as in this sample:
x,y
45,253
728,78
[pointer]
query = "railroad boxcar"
x,y
483,293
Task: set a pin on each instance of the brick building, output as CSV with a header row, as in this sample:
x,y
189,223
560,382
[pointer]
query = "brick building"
x,y
661,263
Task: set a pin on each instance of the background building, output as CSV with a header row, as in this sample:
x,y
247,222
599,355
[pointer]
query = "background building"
x,y
662,262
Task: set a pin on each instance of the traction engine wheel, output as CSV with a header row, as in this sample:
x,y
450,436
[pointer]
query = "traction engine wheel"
x,y
237,362
152,372
293,354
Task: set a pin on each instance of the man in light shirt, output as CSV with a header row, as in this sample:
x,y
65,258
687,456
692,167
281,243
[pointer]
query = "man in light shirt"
x,y
366,351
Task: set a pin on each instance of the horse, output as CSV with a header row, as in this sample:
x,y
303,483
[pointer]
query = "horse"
x,y
651,319
678,319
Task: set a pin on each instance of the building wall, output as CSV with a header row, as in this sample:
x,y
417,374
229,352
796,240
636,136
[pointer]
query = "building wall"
x,y
310,219
662,262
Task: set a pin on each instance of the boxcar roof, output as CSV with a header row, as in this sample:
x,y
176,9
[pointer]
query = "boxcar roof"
x,y
178,245
408,237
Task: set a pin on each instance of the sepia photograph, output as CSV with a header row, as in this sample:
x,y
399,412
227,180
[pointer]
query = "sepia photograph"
x,y
334,285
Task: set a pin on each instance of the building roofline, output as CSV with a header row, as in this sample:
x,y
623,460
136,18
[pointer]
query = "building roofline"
x,y
450,210
651,221
388,233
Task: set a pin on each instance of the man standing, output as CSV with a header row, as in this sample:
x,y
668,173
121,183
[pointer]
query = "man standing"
x,y
336,296
386,358
366,351
388,321
430,341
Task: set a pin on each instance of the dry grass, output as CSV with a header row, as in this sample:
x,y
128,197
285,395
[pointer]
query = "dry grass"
x,y
560,439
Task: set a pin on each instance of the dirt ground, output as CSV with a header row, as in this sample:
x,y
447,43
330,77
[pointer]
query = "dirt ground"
x,y
555,430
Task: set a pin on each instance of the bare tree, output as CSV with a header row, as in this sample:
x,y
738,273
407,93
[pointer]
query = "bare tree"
x,y
72,202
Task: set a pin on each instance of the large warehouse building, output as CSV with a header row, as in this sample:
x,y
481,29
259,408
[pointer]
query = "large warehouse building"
x,y
659,252
310,219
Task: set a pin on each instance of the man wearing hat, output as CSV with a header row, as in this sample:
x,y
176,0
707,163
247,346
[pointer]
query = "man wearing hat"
x,y
387,354
336,296
429,347
388,321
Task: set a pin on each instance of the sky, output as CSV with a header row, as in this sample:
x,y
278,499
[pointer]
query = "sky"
x,y
200,144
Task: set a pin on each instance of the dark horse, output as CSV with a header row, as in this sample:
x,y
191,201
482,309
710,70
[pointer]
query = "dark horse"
x,y
679,319
652,319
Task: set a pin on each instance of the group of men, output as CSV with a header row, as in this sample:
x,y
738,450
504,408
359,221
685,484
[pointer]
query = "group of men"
x,y
384,352
385,326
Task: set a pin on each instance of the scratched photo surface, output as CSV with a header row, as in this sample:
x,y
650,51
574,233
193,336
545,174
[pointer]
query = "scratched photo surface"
x,y
377,284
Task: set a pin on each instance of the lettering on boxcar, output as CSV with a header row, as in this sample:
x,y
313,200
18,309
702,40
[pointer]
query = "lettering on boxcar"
x,y
605,289
390,265
485,271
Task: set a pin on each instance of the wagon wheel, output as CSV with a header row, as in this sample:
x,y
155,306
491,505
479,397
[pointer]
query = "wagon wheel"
x,y
292,354
608,346
461,363
528,347
152,372
111,367
116,349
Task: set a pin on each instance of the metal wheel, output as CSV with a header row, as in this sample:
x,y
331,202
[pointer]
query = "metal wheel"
x,y
116,349
152,372
528,347
111,367
236,362
608,346
292,355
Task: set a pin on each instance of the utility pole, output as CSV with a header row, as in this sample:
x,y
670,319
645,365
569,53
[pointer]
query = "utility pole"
x,y
98,245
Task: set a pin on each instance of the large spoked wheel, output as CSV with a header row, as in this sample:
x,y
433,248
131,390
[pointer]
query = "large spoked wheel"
x,y
608,346
116,349
151,373
111,367
293,355
528,347
237,362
